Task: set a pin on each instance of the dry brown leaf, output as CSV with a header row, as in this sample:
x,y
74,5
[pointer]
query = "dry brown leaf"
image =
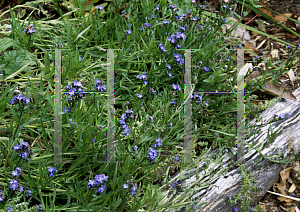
x,y
274,53
267,12
292,188
291,75
254,34
290,24
291,35
272,89
281,18
281,186
263,207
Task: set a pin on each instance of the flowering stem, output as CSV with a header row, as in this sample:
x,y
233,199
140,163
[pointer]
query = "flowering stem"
x,y
14,135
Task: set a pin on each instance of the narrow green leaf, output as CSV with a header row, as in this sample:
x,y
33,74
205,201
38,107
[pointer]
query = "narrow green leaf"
x,y
80,34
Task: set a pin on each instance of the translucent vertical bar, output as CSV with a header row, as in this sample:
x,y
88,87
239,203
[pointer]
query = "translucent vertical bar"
x,y
240,107
188,109
58,112
110,106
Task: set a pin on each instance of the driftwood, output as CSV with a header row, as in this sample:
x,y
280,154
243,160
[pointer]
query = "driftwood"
x,y
266,173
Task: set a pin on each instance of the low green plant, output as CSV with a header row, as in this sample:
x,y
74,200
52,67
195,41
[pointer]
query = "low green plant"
x,y
149,105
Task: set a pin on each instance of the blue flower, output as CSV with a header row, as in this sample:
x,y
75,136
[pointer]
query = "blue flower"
x,y
230,198
15,173
172,6
206,69
172,38
162,47
29,29
158,142
152,154
100,178
166,22
178,47
19,169
139,95
100,7
128,32
235,209
101,189
147,25
125,186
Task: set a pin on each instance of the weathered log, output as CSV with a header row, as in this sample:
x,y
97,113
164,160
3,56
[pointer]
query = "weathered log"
x,y
266,173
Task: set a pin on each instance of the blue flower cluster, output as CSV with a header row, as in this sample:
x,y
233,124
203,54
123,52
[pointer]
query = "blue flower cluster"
x,y
176,87
72,91
173,37
162,47
99,7
178,58
21,150
98,180
152,154
19,98
66,109
283,116
51,170
126,129
14,183
29,29
142,77
134,186
100,87
197,96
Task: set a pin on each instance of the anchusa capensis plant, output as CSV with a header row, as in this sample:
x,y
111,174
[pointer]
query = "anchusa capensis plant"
x,y
149,106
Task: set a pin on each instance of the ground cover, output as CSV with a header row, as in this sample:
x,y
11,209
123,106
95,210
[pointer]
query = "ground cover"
x,y
149,103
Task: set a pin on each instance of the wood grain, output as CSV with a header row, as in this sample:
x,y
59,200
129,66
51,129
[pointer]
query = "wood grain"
x,y
266,173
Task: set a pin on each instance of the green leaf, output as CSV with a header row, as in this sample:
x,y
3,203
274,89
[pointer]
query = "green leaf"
x,y
15,60
80,34
5,43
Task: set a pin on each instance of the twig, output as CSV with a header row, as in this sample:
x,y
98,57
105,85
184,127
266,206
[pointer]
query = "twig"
x,y
293,198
